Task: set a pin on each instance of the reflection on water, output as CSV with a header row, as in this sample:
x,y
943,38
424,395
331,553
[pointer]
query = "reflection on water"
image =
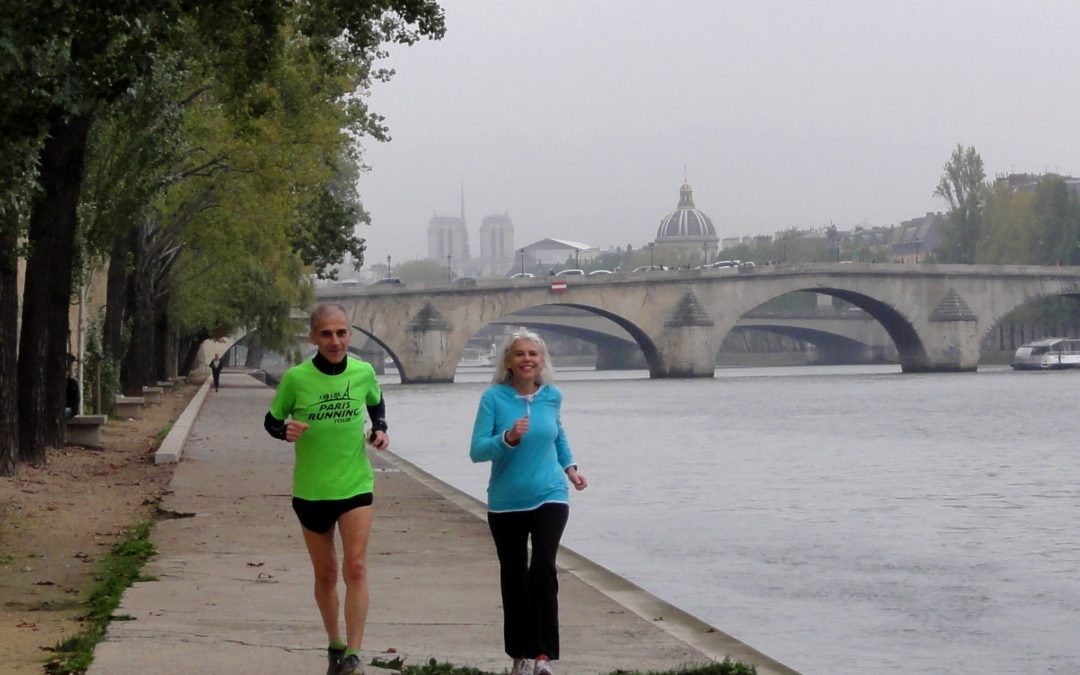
x,y
843,519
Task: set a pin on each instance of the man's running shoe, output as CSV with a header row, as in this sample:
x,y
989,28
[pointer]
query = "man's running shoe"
x,y
334,656
350,665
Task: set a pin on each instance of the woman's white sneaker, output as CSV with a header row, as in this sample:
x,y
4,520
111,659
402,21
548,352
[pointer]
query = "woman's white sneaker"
x,y
521,667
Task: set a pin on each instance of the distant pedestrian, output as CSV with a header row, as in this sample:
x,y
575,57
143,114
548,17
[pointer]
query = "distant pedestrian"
x,y
519,430
215,369
319,406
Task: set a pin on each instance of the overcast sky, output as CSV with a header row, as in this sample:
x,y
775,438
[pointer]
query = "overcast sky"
x,y
581,118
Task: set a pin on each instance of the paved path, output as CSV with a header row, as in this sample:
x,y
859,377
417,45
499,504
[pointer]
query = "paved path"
x,y
232,588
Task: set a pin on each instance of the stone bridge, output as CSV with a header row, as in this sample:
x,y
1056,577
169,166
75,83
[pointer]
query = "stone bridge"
x,y
936,315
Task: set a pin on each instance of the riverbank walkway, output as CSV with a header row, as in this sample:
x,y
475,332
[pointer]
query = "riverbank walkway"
x,y
231,588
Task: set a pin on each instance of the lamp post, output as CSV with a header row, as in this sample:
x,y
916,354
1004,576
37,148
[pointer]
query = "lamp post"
x,y
522,252
387,265
449,269
652,247
705,253
577,258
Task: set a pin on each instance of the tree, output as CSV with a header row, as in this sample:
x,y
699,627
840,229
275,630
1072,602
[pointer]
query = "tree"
x,y
963,187
422,271
1008,231
64,63
1056,220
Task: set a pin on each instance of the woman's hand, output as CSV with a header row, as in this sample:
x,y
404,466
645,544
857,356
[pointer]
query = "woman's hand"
x,y
576,479
514,433
293,430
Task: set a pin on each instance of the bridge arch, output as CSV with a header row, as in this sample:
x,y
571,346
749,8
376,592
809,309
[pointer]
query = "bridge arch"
x,y
1002,313
905,337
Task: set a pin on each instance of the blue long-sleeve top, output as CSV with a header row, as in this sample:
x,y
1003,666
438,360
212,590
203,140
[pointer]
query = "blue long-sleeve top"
x,y
533,472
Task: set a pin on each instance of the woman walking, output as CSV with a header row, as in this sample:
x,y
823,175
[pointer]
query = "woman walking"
x,y
518,429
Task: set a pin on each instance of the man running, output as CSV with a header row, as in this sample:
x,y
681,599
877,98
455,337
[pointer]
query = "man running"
x,y
319,406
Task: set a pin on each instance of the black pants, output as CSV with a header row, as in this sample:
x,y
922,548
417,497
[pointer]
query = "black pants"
x,y
530,589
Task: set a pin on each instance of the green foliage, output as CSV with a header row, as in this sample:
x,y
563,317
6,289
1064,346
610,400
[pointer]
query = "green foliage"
x,y
605,260
1056,223
725,667
224,134
422,271
963,187
120,568
326,232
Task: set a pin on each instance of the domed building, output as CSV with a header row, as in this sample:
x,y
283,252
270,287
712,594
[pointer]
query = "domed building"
x,y
687,228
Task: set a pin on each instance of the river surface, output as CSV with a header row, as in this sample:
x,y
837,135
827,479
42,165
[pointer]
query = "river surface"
x,y
843,520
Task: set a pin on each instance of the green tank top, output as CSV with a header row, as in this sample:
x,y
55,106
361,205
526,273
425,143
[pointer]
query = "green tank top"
x,y
331,456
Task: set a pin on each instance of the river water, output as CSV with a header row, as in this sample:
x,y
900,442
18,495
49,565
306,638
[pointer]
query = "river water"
x,y
843,520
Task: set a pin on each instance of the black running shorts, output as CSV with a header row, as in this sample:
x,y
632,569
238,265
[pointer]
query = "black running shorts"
x,y
320,516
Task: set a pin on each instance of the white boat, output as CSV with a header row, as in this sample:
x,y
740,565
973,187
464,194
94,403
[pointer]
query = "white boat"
x,y
1048,354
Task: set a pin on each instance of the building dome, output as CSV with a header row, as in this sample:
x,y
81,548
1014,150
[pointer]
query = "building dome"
x,y
686,221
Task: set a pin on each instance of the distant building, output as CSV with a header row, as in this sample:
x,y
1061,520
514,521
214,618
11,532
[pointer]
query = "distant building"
x,y
687,228
862,237
448,244
496,245
914,240
448,240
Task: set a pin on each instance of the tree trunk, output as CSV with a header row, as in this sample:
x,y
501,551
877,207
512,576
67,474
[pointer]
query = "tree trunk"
x,y
191,344
9,320
138,365
112,333
47,294
163,353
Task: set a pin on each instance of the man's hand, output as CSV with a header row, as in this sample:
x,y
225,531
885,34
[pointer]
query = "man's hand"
x,y
294,429
379,440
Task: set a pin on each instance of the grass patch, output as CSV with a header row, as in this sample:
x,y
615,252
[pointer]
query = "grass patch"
x,y
120,568
725,667
164,432
432,667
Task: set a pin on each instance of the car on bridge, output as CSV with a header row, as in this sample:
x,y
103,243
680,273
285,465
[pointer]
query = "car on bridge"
x,y
720,264
522,275
601,273
650,268
570,273
465,281
389,281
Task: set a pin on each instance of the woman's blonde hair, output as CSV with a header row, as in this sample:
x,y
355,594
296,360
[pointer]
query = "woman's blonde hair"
x,y
503,374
